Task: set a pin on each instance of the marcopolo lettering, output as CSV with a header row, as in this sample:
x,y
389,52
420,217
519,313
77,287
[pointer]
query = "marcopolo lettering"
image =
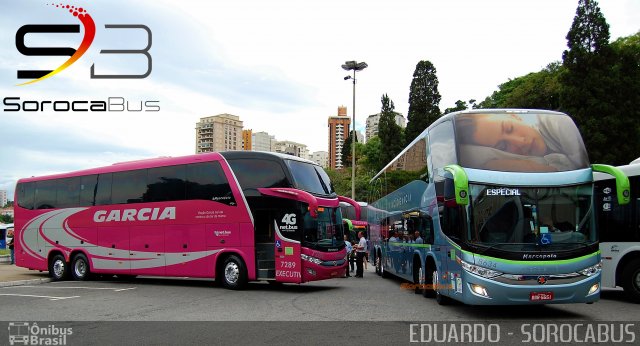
x,y
144,214
503,192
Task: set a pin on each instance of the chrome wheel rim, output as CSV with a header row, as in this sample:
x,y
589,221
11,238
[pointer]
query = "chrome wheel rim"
x,y
231,272
58,268
637,280
80,268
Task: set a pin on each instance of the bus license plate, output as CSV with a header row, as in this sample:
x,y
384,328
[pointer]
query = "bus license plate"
x,y
538,296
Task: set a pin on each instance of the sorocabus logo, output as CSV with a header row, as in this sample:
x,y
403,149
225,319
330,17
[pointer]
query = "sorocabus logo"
x,y
74,54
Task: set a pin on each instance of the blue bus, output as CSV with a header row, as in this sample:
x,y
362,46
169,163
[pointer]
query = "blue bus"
x,y
492,206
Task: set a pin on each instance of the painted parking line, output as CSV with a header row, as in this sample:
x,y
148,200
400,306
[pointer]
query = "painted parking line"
x,y
35,296
84,288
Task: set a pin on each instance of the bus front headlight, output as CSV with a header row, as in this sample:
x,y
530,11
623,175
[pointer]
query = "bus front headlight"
x,y
593,270
480,271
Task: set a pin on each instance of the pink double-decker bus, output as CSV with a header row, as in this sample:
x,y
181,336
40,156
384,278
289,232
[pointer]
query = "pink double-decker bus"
x,y
233,216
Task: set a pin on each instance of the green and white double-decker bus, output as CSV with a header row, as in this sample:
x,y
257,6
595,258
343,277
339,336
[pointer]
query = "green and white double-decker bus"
x,y
492,206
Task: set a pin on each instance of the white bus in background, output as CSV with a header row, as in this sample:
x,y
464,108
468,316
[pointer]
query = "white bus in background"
x,y
619,227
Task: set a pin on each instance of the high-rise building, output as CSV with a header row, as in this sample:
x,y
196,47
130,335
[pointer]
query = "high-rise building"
x,y
373,121
3,198
320,157
246,140
262,141
338,133
218,133
292,148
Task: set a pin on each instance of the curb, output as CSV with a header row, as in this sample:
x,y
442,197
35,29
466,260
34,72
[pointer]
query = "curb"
x,y
24,282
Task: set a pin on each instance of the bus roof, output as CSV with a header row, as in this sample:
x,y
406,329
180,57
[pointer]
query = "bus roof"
x,y
166,161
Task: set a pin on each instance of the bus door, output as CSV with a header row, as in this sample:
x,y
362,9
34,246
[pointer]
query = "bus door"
x,y
288,262
265,243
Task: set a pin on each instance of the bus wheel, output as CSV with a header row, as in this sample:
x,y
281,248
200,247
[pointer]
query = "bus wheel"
x,y
442,300
383,272
80,267
418,278
631,280
429,292
378,264
234,274
58,269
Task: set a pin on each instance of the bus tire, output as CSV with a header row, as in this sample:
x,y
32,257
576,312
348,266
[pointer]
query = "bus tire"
x,y
428,291
418,278
58,268
80,270
383,272
234,273
378,263
631,280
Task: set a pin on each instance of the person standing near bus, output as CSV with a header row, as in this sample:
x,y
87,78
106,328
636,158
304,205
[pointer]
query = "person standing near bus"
x,y
361,248
349,248
10,244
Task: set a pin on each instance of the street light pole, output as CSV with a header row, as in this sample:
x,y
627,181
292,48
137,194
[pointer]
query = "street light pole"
x,y
355,66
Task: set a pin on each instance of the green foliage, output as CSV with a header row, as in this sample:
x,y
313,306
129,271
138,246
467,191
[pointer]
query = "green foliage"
x,y
537,90
371,159
347,151
390,134
424,100
6,219
341,180
597,90
461,106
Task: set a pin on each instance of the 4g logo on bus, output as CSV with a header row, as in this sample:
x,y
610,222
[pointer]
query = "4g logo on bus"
x,y
75,54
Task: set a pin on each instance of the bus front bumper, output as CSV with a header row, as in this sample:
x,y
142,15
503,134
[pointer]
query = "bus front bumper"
x,y
478,290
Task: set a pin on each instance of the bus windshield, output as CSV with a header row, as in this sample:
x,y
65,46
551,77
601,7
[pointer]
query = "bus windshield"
x,y
325,231
310,178
520,219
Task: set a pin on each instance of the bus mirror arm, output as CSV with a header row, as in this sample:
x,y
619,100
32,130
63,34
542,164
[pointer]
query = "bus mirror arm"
x,y
461,183
623,189
283,192
355,205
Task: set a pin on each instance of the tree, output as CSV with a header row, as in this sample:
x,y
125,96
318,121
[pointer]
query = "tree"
x,y
536,90
589,88
460,106
372,155
390,133
424,100
347,150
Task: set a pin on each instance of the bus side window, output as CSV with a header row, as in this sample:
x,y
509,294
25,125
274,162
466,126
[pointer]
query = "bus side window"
x,y
26,193
428,230
45,197
103,190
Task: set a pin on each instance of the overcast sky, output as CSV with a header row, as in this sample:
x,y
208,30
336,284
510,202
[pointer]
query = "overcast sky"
x,y
276,64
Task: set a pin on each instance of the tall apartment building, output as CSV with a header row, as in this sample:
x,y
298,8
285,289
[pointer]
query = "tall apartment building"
x,y
218,133
3,198
320,157
262,141
338,133
246,140
373,120
292,148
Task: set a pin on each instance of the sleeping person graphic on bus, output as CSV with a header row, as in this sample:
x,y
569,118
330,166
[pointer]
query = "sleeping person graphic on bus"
x,y
519,142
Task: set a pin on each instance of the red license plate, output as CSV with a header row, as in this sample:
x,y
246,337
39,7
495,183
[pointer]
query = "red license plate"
x,y
538,296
